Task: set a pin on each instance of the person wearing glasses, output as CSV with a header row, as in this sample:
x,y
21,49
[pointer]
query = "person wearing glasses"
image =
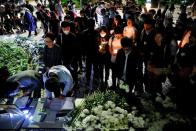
x,y
52,51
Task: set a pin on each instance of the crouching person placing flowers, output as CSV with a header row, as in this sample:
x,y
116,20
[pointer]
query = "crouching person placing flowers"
x,y
58,80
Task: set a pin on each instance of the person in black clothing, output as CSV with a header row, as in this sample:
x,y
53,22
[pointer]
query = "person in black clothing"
x,y
182,75
52,51
103,55
6,87
42,16
69,19
67,42
29,6
146,44
54,24
128,63
84,20
91,49
157,58
29,81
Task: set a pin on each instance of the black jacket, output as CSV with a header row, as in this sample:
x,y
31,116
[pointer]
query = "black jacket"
x,y
134,65
52,56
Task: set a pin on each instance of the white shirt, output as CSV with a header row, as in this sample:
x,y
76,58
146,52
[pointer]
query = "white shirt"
x,y
125,66
129,32
64,76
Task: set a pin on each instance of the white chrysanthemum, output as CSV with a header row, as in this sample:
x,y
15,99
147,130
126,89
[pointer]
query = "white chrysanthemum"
x,y
106,106
118,109
86,111
131,129
82,115
90,128
86,120
110,104
134,112
159,99
130,117
138,122
121,116
134,108
100,107
125,112
96,110
78,124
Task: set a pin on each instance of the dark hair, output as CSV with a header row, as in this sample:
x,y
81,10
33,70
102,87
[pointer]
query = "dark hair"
x,y
118,18
91,23
67,17
118,30
148,21
126,42
65,24
103,28
52,84
130,18
4,72
50,35
10,87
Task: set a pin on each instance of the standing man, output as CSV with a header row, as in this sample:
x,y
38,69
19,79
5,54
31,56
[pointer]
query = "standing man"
x,y
128,63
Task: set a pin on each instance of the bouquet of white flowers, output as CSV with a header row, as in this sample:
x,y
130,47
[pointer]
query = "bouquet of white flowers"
x,y
108,117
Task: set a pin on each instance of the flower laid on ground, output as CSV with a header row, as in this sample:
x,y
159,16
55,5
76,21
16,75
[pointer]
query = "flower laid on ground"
x,y
24,53
124,86
109,111
14,57
108,117
167,102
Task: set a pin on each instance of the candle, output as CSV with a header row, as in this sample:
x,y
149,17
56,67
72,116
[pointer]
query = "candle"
x,y
179,41
100,47
115,51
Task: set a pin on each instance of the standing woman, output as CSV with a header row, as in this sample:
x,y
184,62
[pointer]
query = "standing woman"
x,y
130,31
114,46
115,22
103,55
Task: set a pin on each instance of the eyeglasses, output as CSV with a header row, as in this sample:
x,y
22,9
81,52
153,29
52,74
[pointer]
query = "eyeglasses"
x,y
48,41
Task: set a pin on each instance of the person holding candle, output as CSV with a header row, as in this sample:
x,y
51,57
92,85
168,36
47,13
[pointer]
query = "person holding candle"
x,y
114,46
103,55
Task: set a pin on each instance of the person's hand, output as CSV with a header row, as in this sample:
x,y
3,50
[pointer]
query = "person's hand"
x,y
26,93
194,69
155,71
61,97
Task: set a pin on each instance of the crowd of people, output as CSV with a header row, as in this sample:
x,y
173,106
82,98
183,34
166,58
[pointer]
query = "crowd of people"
x,y
142,49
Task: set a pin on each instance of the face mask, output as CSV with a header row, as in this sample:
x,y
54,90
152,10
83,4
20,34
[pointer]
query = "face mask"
x,y
103,35
66,32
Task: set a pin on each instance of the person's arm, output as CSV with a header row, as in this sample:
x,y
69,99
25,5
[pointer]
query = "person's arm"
x,y
110,46
68,85
48,94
